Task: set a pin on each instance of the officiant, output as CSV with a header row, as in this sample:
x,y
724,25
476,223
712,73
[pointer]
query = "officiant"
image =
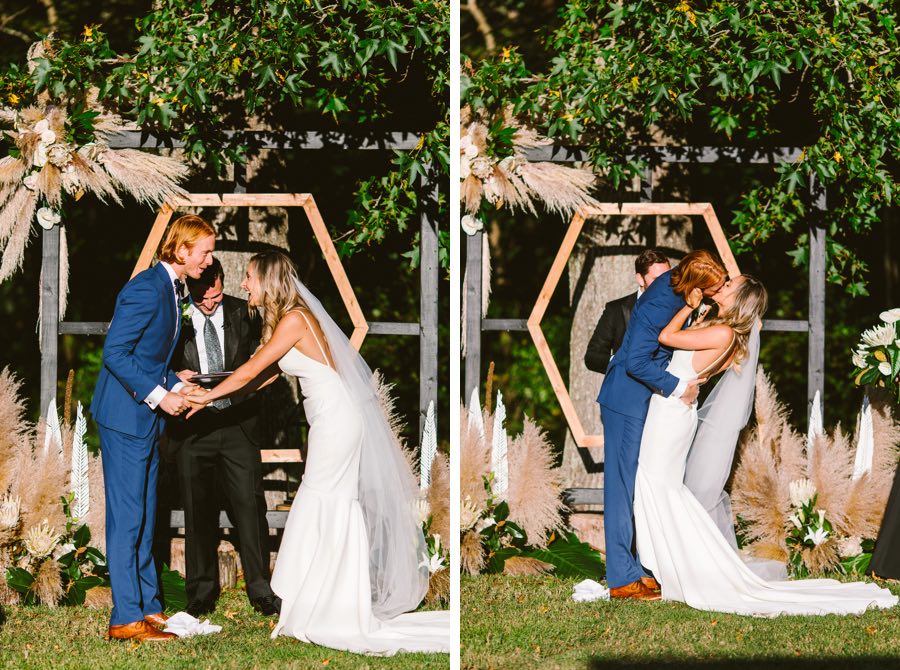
x,y
220,445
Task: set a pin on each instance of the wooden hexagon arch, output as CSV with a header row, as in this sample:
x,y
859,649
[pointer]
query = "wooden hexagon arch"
x,y
304,200
704,209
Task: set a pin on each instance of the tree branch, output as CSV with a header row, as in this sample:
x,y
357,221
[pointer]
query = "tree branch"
x,y
52,14
483,26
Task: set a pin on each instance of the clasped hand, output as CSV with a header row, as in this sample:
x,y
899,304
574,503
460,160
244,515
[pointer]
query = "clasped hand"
x,y
197,400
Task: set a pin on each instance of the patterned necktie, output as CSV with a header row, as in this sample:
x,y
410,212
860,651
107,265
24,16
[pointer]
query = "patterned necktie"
x,y
214,359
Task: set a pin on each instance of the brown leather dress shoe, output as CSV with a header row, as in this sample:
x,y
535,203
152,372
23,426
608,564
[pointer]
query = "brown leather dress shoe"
x,y
158,620
634,591
141,631
649,582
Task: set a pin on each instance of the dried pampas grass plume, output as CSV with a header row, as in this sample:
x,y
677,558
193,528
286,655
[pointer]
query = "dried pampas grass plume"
x,y
439,496
47,586
535,486
517,566
15,431
471,553
438,587
474,461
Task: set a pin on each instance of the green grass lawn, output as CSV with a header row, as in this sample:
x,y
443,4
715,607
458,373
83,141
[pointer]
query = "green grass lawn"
x,y
71,637
531,622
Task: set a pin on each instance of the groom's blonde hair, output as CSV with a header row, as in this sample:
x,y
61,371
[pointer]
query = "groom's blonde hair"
x,y
187,230
698,269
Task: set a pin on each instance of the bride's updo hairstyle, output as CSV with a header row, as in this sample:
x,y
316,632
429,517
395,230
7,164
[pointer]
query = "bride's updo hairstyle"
x,y
277,279
751,300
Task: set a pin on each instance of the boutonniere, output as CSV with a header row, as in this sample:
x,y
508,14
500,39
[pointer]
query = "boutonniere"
x,y
186,312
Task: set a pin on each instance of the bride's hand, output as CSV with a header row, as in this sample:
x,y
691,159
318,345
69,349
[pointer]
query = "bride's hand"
x,y
694,298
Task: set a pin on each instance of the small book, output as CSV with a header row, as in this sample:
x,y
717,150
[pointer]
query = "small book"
x,y
210,379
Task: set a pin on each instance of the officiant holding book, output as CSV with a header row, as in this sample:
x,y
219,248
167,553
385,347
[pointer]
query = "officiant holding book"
x,y
220,446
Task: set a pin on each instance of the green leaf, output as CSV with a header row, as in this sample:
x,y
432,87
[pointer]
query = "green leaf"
x,y
82,536
497,560
173,590
572,558
19,579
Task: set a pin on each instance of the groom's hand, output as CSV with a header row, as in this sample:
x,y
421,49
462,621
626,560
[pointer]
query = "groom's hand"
x,y
173,404
692,391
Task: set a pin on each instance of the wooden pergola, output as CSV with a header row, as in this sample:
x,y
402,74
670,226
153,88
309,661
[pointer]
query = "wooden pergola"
x,y
426,328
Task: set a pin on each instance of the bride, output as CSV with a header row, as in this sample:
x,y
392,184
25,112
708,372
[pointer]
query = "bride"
x,y
353,557
676,538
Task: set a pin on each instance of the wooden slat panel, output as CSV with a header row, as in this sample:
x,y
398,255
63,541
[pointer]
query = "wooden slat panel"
x,y
275,519
49,315
242,200
472,317
583,496
280,456
429,280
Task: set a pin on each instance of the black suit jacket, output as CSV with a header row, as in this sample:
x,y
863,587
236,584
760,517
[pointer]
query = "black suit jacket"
x,y
241,333
608,334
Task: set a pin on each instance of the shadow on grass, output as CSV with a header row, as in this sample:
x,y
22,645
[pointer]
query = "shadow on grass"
x,y
769,663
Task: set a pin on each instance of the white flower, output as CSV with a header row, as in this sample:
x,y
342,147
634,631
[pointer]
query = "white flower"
x,y
509,165
850,546
63,549
48,137
817,536
468,515
436,564
891,315
40,155
821,513
794,520
467,147
41,126
41,540
859,358
465,168
482,167
424,509
30,181
47,218
880,335
58,154
9,512
487,522
802,491
884,368
471,224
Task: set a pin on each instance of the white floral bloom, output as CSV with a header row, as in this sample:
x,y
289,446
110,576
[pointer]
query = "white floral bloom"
x,y
821,513
465,168
802,491
509,165
424,509
58,154
40,155
436,564
469,514
794,520
47,218
30,181
41,540
483,167
48,137
63,549
884,368
41,126
471,151
850,546
891,315
487,522
471,224
817,536
859,359
9,512
880,335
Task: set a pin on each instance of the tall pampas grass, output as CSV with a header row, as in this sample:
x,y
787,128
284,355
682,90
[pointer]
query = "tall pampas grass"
x,y
438,496
535,486
472,556
773,454
15,432
474,460
47,585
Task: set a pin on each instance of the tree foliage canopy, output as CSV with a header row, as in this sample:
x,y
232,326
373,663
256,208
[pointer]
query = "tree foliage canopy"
x,y
758,73
201,68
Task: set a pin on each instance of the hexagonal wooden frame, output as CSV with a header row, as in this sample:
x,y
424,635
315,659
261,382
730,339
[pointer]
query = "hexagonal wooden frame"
x,y
704,209
304,200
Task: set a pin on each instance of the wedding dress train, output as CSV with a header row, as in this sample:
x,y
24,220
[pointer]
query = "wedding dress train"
x,y
322,573
679,542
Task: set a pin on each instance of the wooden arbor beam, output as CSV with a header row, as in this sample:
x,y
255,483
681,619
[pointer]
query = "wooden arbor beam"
x,y
704,209
304,200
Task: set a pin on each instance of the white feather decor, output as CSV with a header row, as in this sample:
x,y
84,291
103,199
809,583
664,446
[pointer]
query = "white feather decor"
x,y
865,445
80,481
499,442
429,448
476,420
815,426
53,432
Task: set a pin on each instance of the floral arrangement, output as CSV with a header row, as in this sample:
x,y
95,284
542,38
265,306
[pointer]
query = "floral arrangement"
x,y
495,171
876,359
816,503
61,149
511,516
45,552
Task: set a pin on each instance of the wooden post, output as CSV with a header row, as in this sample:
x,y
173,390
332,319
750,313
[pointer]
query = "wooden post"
x,y
472,322
49,316
428,304
817,262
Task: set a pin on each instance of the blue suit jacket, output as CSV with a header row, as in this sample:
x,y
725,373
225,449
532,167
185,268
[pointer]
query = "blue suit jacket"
x,y
638,368
137,353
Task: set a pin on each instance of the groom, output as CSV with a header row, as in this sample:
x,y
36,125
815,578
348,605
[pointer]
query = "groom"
x,y
135,390
636,372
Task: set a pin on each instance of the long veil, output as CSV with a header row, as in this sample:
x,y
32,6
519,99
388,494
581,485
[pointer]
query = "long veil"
x,y
398,558
721,419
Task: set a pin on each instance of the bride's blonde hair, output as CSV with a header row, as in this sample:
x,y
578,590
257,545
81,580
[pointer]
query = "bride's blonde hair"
x,y
751,300
278,280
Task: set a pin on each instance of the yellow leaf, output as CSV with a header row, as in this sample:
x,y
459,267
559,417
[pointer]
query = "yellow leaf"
x,y
880,355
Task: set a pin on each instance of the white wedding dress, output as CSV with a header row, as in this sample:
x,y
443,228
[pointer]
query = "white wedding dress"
x,y
679,542
322,570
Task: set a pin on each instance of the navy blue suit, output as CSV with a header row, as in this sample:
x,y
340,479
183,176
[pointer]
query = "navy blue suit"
x,y
636,372
136,357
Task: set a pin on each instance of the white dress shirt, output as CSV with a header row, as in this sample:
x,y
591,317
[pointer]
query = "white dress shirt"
x,y
157,394
198,318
